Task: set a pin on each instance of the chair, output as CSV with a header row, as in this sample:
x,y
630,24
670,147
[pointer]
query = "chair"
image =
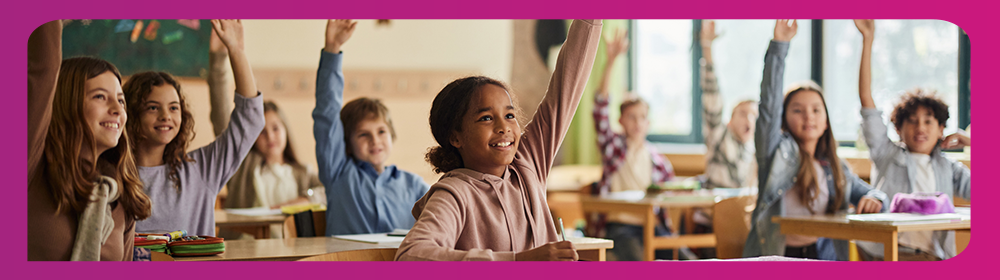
x,y
731,224
288,227
318,220
369,255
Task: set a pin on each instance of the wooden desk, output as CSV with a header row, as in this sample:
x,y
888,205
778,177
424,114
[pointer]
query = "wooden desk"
x,y
838,227
674,203
258,226
290,249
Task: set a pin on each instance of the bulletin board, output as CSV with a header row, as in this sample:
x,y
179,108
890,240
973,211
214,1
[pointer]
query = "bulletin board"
x,y
175,46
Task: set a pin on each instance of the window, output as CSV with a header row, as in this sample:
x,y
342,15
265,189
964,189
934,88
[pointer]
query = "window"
x,y
907,54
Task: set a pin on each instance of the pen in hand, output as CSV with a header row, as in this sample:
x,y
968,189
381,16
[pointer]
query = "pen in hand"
x,y
562,230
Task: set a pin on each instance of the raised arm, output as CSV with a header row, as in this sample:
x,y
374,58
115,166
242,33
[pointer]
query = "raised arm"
x,y
328,129
44,58
543,135
711,112
614,47
867,28
219,160
218,84
768,133
231,34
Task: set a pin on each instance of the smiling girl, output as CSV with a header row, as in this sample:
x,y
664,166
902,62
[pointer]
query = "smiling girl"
x,y
84,194
183,186
490,204
800,173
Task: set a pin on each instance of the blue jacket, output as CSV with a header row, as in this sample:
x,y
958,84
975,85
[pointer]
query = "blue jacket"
x,y
359,199
778,159
896,174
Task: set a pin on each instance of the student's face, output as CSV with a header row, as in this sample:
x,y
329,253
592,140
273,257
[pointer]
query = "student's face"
x,y
371,142
161,115
104,110
274,137
634,121
806,116
921,131
743,121
490,132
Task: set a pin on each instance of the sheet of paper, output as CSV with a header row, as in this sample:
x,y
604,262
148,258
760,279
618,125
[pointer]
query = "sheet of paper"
x,y
899,218
257,211
374,238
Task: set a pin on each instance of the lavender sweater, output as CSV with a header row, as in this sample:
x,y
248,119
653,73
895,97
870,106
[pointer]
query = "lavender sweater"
x,y
192,207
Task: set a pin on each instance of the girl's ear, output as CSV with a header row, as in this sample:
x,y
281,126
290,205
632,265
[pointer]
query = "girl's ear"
x,y
453,139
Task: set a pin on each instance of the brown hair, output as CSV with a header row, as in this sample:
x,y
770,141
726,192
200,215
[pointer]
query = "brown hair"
x,y
449,108
71,180
137,90
744,102
826,148
360,109
632,101
915,99
289,153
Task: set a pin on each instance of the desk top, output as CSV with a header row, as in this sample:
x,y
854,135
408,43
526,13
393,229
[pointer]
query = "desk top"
x,y
697,198
223,219
297,248
842,221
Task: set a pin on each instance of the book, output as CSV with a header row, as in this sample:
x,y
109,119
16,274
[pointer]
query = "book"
x,y
903,218
374,238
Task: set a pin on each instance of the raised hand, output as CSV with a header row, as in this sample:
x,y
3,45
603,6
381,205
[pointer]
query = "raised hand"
x,y
554,251
337,33
956,140
617,44
708,33
866,26
784,32
215,43
230,32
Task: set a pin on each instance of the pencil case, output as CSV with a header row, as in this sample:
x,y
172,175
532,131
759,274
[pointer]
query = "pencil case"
x,y
921,203
197,246
152,245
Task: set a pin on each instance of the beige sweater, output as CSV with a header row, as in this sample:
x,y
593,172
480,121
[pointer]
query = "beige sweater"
x,y
469,215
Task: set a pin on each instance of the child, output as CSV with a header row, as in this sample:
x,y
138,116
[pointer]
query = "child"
x,y
630,162
917,167
271,175
729,161
800,172
84,194
490,204
183,186
364,193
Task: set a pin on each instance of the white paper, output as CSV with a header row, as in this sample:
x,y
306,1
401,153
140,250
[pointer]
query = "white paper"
x,y
374,238
901,218
258,211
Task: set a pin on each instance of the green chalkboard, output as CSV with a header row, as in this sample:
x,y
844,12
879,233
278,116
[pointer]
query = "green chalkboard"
x,y
178,47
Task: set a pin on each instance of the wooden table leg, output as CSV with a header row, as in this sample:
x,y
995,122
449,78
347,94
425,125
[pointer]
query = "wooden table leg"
x,y
648,234
892,247
594,255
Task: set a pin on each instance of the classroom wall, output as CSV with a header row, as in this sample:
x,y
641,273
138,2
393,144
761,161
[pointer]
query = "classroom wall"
x,y
424,52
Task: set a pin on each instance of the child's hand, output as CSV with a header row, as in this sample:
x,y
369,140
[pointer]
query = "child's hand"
x,y
215,44
783,32
230,32
616,45
866,26
708,33
869,205
956,140
554,251
337,33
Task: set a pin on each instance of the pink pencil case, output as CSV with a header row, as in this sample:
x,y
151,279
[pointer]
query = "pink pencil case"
x,y
922,203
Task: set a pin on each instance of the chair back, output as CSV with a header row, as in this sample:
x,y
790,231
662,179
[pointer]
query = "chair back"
x,y
731,224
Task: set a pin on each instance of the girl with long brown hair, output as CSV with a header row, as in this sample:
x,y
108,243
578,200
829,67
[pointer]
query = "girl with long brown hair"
x,y
799,170
183,185
84,193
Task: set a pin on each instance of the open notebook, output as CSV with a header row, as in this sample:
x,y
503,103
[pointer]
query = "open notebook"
x,y
394,237
904,218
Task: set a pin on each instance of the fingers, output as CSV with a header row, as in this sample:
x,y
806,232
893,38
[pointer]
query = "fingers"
x,y
795,24
217,26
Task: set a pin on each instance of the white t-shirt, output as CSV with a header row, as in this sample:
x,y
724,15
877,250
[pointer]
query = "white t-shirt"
x,y
924,183
275,184
795,207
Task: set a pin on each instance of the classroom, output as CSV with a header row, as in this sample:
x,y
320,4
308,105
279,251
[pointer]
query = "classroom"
x,y
498,140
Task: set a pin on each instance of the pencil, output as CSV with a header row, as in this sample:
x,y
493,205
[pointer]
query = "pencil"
x,y
562,230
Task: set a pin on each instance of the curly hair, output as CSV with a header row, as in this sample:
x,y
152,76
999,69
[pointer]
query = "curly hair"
x,y
137,90
70,179
447,112
917,98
